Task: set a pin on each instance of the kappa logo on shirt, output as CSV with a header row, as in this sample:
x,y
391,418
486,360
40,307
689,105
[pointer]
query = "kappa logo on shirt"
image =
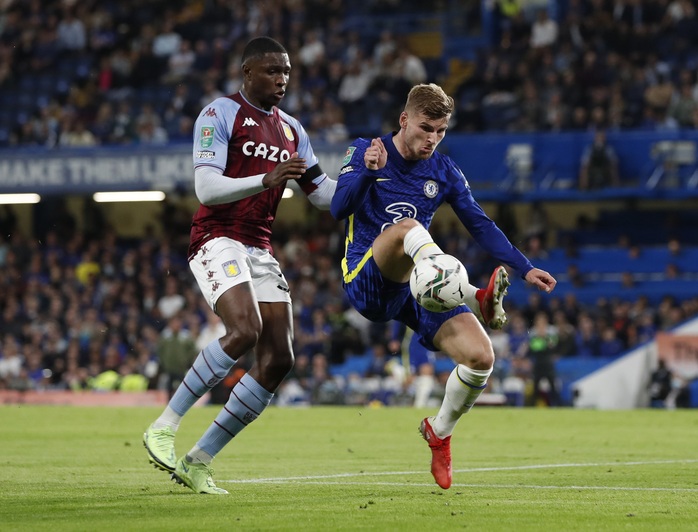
x,y
249,122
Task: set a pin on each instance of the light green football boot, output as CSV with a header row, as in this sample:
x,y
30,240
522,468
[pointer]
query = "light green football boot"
x,y
161,447
198,477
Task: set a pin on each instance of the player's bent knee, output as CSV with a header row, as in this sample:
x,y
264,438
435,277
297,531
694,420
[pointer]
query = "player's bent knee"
x,y
406,224
239,341
475,354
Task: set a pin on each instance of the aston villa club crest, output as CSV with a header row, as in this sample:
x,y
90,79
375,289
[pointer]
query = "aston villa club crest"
x,y
231,268
287,131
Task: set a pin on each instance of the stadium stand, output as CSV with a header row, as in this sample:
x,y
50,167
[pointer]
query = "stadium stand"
x,y
87,73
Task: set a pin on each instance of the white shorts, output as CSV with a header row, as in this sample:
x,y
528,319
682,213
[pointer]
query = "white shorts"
x,y
222,263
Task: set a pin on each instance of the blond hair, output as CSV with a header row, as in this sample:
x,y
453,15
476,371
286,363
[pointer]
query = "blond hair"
x,y
430,100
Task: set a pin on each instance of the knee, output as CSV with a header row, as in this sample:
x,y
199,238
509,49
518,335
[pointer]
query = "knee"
x,y
478,355
240,339
405,225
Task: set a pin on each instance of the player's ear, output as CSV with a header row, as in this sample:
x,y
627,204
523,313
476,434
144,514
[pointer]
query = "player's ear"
x,y
403,120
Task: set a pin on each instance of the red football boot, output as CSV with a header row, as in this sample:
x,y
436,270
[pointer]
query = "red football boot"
x,y
440,455
491,299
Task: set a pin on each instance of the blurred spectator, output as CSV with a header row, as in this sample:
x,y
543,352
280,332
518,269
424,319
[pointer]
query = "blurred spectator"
x,y
544,30
599,165
610,345
660,385
176,351
179,64
172,301
75,134
587,337
213,328
167,42
71,32
542,351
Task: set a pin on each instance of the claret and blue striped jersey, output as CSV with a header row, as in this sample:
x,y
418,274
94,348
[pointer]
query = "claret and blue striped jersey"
x,y
371,201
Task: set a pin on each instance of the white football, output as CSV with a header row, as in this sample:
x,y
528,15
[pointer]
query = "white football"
x,y
438,282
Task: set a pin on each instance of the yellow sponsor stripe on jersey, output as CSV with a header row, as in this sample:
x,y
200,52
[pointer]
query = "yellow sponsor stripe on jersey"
x,y
347,240
349,277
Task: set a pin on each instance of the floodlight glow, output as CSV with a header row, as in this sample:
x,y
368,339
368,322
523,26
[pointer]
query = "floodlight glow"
x,y
127,197
288,193
17,199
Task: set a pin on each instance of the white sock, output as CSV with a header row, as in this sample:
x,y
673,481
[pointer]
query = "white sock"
x,y
169,418
463,387
470,299
198,456
418,244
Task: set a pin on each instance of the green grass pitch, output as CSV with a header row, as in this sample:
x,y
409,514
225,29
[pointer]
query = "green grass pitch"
x,y
348,468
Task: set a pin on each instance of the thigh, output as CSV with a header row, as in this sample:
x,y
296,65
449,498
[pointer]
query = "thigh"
x,y
427,324
277,328
389,254
274,350
465,341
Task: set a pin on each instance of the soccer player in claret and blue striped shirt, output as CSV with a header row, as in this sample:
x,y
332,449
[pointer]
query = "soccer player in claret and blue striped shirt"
x,y
245,151
388,191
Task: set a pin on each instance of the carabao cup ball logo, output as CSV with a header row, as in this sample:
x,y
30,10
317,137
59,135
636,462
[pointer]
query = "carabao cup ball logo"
x,y
431,189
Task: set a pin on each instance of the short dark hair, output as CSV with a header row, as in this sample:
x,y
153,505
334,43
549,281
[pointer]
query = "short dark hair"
x,y
260,46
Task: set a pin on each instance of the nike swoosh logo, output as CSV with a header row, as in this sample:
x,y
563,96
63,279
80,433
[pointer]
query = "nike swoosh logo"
x,y
185,467
383,179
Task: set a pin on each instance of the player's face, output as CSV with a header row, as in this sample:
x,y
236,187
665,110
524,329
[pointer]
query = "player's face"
x,y
265,79
421,134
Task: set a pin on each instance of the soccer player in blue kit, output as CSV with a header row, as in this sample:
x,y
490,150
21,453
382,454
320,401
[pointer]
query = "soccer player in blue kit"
x,y
245,151
388,191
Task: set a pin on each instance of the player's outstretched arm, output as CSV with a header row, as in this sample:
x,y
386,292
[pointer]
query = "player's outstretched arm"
x,y
541,279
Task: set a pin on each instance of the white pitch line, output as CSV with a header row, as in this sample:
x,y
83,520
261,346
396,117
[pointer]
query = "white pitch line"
x,y
456,485
471,470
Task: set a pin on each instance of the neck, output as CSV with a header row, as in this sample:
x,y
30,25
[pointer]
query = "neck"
x,y
401,145
253,101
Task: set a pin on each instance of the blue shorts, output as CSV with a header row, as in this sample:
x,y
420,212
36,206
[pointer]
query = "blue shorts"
x,y
379,299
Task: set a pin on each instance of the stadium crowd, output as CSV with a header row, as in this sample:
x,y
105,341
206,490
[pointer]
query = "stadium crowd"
x,y
89,310
99,73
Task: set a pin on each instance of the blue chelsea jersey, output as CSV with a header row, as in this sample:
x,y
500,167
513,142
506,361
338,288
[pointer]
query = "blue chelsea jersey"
x,y
371,201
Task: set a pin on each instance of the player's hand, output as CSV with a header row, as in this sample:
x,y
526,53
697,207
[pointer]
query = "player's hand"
x,y
541,279
293,168
375,155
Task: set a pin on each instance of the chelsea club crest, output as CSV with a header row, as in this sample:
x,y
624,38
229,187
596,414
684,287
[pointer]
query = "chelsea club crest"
x,y
431,189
